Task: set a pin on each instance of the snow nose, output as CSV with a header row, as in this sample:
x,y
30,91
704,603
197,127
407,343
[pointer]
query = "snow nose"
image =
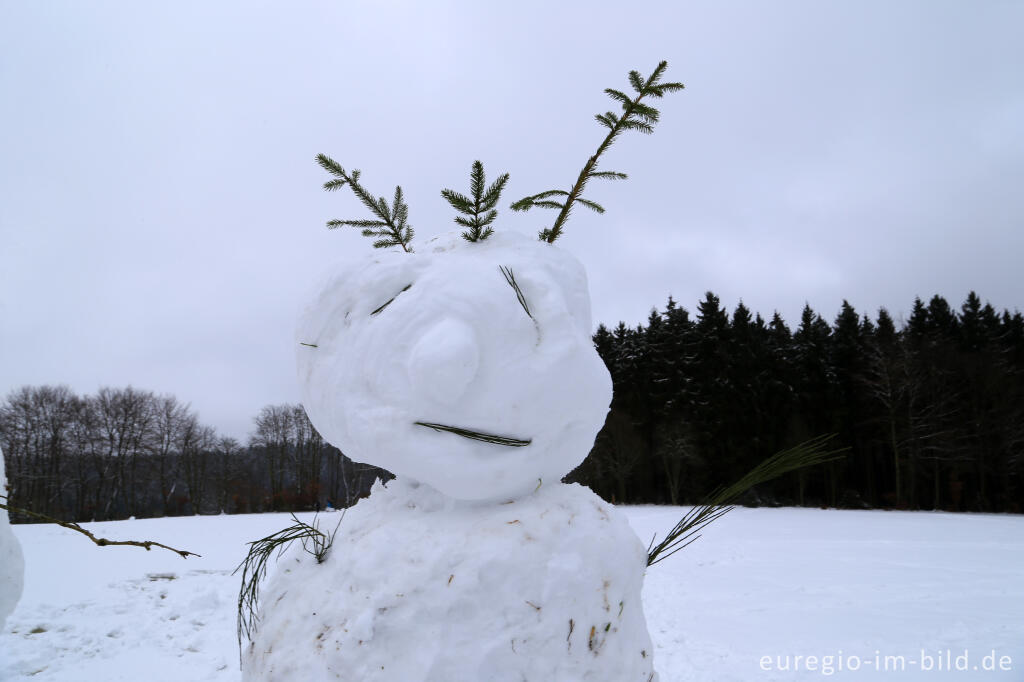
x,y
444,361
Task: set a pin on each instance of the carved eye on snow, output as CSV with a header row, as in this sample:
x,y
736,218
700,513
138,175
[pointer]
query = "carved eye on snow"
x,y
511,279
391,300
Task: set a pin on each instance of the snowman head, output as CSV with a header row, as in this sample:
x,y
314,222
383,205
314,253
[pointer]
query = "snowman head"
x,y
467,366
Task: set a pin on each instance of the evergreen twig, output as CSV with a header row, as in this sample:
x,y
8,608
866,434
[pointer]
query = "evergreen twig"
x,y
720,501
511,279
254,567
479,208
635,115
477,435
101,542
391,227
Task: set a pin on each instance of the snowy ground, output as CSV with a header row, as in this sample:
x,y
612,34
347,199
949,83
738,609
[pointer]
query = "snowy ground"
x,y
775,583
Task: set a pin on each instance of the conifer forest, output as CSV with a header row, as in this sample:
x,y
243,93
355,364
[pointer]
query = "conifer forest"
x,y
930,411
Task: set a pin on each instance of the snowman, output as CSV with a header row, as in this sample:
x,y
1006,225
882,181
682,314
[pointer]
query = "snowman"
x,y
466,369
12,564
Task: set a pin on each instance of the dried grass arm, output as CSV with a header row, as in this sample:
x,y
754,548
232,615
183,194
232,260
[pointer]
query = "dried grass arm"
x,y
809,453
254,567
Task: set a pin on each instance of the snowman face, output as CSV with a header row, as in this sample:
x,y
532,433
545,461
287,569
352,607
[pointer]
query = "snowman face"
x,y
468,366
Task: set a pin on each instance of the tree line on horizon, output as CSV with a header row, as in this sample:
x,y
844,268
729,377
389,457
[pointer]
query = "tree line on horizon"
x,y
932,411
932,414
126,452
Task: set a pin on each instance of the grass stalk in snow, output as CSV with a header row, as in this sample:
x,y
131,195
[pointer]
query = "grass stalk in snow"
x,y
719,503
477,435
254,567
391,300
511,279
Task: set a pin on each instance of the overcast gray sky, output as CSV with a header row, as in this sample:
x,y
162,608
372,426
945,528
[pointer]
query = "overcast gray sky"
x,y
161,217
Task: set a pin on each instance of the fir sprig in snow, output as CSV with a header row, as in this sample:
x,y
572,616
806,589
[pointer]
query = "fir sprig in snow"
x,y
477,212
636,115
391,227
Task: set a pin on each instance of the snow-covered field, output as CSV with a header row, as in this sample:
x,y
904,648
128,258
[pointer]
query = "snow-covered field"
x,y
852,589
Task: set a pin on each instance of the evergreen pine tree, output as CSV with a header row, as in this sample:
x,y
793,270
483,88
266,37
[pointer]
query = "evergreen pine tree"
x,y
885,331
847,358
917,325
942,321
780,393
973,332
883,386
678,332
815,382
604,343
745,427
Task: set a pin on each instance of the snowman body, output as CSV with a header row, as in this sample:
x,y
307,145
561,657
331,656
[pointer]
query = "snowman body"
x,y
421,588
466,369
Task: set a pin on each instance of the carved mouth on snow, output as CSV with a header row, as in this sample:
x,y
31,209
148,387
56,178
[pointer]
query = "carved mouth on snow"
x,y
477,435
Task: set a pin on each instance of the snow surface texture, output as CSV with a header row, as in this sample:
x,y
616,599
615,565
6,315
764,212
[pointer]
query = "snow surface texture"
x,y
761,582
441,337
419,587
12,565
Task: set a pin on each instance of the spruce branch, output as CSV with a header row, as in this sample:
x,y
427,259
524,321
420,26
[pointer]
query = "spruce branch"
x,y
391,227
481,207
101,542
636,115
719,503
